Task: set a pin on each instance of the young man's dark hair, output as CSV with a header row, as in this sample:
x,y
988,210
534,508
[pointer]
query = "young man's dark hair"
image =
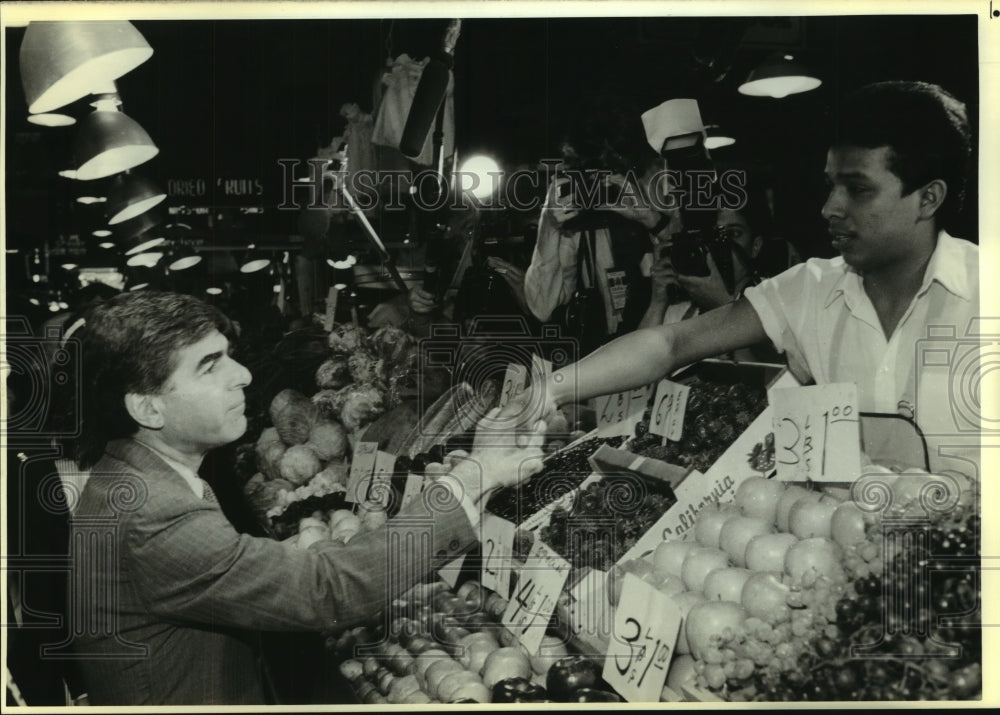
x,y
130,343
926,128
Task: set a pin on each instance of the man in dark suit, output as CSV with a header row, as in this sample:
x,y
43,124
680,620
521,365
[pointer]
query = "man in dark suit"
x,y
169,595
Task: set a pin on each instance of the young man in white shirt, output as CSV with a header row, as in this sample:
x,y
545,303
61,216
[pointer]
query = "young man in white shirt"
x,y
896,172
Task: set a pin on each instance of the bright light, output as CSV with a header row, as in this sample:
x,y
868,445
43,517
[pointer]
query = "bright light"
x,y
779,87
91,199
479,176
277,287
36,278
718,142
53,307
51,119
106,245
185,262
68,173
63,305
340,286
34,301
339,265
213,290
138,286
258,264
145,246
147,260
69,266
100,233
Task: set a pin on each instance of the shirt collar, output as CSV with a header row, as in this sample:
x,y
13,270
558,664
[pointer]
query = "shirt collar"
x,y
945,266
189,476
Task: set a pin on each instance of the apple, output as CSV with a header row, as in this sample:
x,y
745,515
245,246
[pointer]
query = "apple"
x,y
818,555
448,603
352,669
452,683
470,691
420,644
469,590
725,584
503,663
684,602
708,619
571,674
766,552
476,647
766,597
792,494
681,673
616,577
669,557
698,563
737,532
672,585
517,690
425,660
371,666
709,524
808,518
495,605
336,517
402,688
551,649
847,525
758,496
437,672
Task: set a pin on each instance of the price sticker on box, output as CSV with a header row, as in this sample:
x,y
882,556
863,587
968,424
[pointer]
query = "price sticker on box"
x,y
817,433
362,468
642,644
498,550
539,583
514,381
667,419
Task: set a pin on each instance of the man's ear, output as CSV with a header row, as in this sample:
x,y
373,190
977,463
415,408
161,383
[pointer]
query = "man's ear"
x,y
145,409
932,196
756,246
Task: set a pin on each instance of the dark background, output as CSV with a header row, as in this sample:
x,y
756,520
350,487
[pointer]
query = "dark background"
x,y
228,98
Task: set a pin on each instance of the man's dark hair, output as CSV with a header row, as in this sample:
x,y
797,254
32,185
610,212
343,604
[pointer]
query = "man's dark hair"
x,y
130,344
926,129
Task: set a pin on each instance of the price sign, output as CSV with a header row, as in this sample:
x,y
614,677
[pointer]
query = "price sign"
x,y
513,383
539,584
498,548
381,481
362,467
817,433
618,414
412,489
450,573
642,644
667,419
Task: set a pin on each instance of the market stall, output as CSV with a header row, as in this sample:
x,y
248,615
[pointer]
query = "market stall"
x,y
675,546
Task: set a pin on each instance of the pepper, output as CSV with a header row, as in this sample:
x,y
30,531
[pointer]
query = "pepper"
x,y
568,675
518,690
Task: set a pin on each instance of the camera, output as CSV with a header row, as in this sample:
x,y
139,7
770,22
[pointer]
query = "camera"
x,y
688,158
38,366
590,191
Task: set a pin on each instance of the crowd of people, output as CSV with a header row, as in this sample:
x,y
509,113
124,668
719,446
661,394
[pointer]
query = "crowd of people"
x,y
161,390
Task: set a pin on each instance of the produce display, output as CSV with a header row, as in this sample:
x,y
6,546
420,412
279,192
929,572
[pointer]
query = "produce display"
x,y
716,414
445,646
777,588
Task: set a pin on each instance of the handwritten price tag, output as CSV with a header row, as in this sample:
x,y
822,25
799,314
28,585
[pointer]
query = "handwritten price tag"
x,y
817,432
618,414
381,481
539,584
362,467
668,410
646,626
513,383
498,547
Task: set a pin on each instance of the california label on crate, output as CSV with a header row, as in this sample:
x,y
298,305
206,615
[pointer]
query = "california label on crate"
x,y
642,644
539,583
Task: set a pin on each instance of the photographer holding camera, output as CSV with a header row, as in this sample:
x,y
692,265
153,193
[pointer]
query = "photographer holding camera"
x,y
896,172
589,272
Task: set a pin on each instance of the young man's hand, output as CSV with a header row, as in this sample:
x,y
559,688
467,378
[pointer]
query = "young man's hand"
x,y
707,292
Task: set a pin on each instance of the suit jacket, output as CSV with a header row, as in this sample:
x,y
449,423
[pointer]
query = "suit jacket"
x,y
170,595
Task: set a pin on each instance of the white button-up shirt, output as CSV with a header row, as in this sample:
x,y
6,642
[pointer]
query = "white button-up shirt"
x,y
820,316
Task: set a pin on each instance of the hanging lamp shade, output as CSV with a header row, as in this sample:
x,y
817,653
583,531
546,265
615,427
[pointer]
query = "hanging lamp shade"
x,y
52,119
136,234
779,77
716,137
130,196
183,258
110,142
63,61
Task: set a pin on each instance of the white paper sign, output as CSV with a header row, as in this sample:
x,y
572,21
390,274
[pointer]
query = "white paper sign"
x,y
362,467
381,480
646,626
817,433
540,581
513,383
450,573
618,414
412,489
498,549
667,419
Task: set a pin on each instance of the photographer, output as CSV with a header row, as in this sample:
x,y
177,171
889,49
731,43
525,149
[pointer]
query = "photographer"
x,y
589,270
